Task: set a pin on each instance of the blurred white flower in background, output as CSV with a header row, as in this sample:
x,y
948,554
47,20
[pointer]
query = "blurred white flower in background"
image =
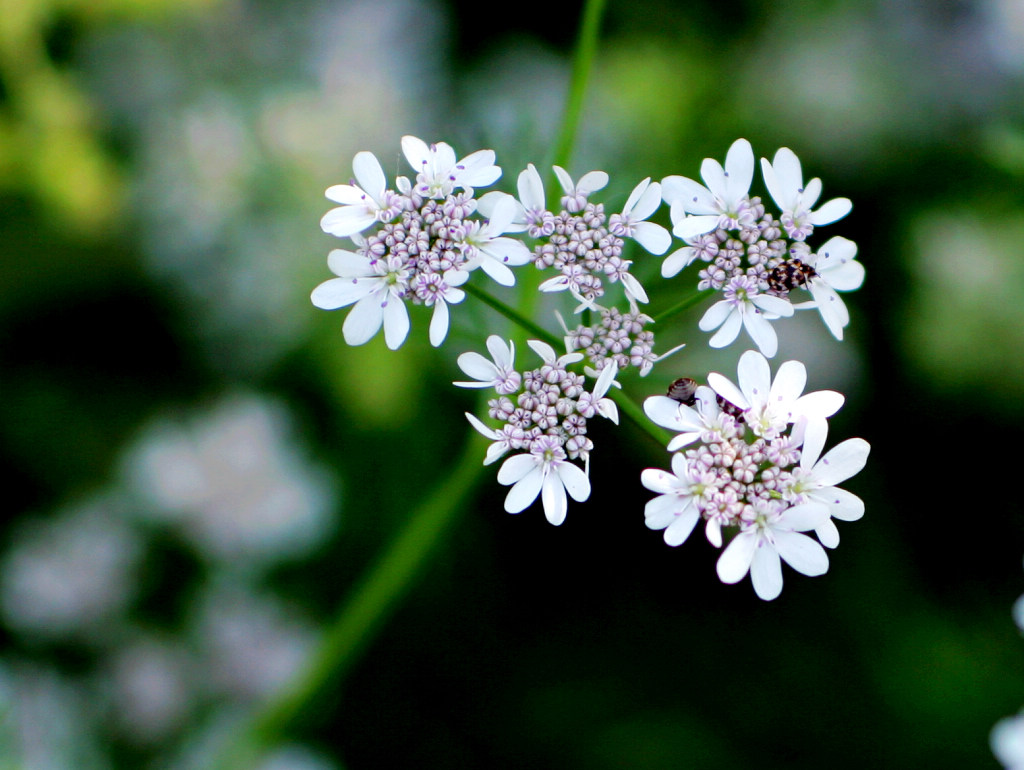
x,y
248,644
70,574
233,482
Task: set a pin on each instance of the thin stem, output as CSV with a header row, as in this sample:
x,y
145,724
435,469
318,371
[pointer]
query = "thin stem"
x,y
514,315
366,609
682,305
582,63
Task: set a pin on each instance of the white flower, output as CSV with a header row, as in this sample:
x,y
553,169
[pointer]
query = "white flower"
x,y
674,509
595,402
836,269
502,441
376,286
363,204
642,202
815,480
548,355
1007,742
491,252
438,173
744,307
689,422
723,203
785,182
531,213
547,472
773,534
769,407
498,373
576,194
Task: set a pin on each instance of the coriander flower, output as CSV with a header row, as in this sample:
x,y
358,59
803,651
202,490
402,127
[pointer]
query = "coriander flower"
x,y
631,223
376,287
744,306
834,269
674,509
815,481
438,173
785,182
362,205
770,534
544,471
576,194
722,204
690,422
769,407
486,248
498,373
531,214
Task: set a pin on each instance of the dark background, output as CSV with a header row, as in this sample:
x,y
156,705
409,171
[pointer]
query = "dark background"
x,y
161,175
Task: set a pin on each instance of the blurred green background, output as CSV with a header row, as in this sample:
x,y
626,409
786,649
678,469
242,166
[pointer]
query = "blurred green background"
x,y
196,468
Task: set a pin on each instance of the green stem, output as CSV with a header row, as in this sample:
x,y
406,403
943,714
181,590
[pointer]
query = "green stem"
x,y
582,63
515,316
682,305
366,609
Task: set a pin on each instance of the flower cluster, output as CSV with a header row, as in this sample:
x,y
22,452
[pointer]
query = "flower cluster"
x,y
546,424
754,258
581,242
751,464
618,337
425,244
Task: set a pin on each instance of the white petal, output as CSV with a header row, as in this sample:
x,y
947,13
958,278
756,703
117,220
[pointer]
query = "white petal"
x,y
633,288
821,402
648,203
524,491
497,272
843,505
713,174
477,367
802,553
734,563
845,277
832,308
766,572
591,182
662,510
396,322
774,305
653,237
789,384
755,378
477,170
637,194
439,323
564,179
811,193
660,481
837,208
841,462
680,529
716,315
724,387
677,260
834,252
544,350
576,482
416,152
693,226
553,498
347,220
347,194
364,320
481,428
516,468
802,518
789,175
728,332
828,533
370,175
503,355
694,197
762,333
739,164
339,292
348,264
531,188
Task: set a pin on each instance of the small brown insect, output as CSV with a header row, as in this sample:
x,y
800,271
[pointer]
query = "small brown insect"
x,y
684,391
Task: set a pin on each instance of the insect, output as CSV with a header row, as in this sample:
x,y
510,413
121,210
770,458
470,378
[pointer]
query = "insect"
x,y
786,276
684,391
